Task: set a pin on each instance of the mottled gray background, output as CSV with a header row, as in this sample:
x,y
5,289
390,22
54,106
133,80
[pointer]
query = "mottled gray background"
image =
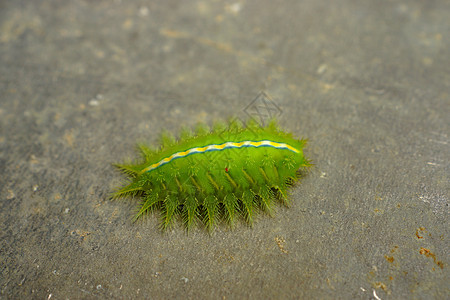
x,y
366,81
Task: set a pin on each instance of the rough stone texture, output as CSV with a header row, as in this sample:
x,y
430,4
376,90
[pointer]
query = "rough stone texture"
x,y
366,81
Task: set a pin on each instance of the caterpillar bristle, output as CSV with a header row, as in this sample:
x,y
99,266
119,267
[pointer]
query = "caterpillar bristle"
x,y
230,205
186,134
265,195
128,168
190,211
219,127
167,140
201,129
210,204
149,204
169,207
145,151
248,206
126,192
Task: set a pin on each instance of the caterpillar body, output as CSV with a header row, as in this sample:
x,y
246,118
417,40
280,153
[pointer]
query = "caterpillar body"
x,y
215,174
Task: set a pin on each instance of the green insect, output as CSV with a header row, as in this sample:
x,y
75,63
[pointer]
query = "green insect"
x,y
216,174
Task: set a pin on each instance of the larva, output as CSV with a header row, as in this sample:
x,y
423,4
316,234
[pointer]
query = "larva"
x,y
216,174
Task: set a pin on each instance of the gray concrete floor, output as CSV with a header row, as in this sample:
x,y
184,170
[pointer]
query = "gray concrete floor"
x,y
366,81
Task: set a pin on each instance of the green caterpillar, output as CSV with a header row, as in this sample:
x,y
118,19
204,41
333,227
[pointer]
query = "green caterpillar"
x,y
215,174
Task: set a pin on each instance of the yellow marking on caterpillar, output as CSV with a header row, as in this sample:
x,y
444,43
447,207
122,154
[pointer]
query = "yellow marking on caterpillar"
x,y
214,147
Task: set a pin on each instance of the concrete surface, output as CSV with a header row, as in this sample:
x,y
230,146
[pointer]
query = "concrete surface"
x,y
366,81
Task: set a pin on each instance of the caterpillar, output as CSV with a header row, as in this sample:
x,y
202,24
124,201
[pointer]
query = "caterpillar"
x,y
215,174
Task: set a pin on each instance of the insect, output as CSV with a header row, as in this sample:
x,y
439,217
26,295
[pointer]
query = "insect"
x,y
218,174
